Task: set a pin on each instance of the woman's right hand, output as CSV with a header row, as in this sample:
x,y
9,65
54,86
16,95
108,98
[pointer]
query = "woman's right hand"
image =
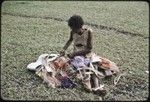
x,y
62,52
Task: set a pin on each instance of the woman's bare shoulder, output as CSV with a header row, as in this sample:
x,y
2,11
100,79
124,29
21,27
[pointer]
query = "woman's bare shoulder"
x,y
87,28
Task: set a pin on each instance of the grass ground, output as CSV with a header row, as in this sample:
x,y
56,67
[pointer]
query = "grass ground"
x,y
26,34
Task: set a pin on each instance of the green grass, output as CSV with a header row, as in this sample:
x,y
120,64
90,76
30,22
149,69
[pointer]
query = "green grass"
x,y
24,39
129,16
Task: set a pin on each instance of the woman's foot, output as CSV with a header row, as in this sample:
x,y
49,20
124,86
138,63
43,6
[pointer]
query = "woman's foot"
x,y
100,92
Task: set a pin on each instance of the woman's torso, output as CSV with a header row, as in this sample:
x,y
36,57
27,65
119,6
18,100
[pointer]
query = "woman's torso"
x,y
80,40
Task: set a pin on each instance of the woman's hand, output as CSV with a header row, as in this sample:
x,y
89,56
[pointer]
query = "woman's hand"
x,y
71,56
62,52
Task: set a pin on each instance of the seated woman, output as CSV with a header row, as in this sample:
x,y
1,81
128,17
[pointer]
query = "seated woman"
x,y
82,38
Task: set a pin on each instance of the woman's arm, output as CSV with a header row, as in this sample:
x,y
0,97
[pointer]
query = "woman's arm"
x,y
69,41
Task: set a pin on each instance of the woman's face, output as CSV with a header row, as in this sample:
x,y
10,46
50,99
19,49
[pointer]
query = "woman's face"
x,y
79,30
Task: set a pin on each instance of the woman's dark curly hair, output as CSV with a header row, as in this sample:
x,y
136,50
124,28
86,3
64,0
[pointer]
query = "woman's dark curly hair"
x,y
76,22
